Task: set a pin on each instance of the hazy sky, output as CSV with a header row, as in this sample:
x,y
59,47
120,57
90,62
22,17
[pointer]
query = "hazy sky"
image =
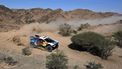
x,y
95,5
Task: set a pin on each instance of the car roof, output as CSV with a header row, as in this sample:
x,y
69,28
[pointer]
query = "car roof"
x,y
43,37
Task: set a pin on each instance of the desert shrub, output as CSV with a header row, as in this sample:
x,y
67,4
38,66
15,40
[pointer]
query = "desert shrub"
x,y
93,43
16,39
93,65
120,56
76,67
7,59
74,31
1,20
56,61
118,38
83,26
120,21
65,29
26,51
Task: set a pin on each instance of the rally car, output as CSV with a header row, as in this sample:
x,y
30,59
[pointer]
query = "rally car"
x,y
43,41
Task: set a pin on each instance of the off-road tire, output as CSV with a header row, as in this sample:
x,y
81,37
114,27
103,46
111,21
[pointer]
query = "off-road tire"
x,y
49,48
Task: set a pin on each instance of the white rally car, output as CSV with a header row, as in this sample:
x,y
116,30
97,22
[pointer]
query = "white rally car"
x,y
44,41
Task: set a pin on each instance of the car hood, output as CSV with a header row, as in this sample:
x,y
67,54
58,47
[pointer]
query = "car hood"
x,y
53,43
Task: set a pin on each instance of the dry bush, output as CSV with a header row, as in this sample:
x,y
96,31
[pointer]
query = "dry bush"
x,y
26,51
74,31
93,65
7,59
56,61
76,67
120,56
83,26
2,56
118,38
1,20
16,39
65,29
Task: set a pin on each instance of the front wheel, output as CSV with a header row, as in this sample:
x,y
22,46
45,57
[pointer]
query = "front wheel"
x,y
49,48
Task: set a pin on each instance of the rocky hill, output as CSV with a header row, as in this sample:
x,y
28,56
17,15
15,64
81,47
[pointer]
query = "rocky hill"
x,y
13,18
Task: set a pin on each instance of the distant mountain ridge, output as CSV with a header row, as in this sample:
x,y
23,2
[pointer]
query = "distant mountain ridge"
x,y
17,17
22,16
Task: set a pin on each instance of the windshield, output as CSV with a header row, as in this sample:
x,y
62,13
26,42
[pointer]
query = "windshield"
x,y
49,40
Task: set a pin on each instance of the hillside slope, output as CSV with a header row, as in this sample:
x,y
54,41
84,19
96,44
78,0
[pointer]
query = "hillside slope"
x,y
13,18
37,59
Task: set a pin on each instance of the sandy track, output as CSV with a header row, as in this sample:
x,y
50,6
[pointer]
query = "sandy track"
x,y
37,59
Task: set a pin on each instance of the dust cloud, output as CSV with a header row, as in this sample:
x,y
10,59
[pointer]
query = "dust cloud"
x,y
54,26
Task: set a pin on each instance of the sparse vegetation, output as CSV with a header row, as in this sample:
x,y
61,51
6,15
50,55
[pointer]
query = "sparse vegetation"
x,y
93,65
16,39
76,67
26,51
65,29
83,26
120,56
56,61
93,43
7,59
118,38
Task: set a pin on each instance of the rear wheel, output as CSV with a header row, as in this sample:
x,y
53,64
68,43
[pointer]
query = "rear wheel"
x,y
49,48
